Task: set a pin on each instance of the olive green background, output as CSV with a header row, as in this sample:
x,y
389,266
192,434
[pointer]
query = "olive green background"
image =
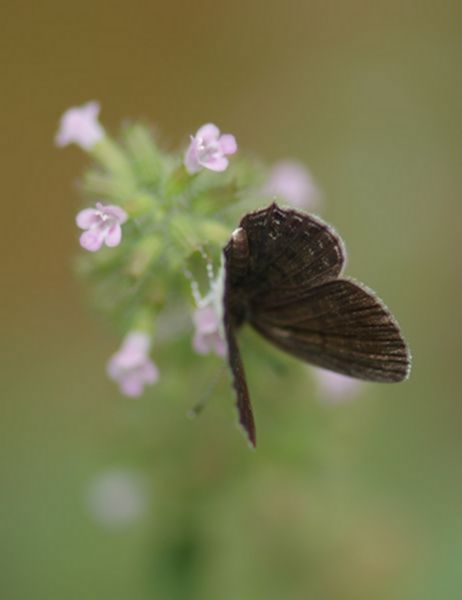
x,y
357,501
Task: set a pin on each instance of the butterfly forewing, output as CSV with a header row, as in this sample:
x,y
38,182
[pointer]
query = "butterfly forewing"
x,y
289,252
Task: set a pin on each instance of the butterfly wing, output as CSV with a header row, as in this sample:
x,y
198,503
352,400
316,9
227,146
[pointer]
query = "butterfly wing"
x,y
339,325
282,270
275,254
290,252
243,405
236,255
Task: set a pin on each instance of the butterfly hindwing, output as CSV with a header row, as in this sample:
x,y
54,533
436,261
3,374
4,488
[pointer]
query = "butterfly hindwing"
x,y
341,326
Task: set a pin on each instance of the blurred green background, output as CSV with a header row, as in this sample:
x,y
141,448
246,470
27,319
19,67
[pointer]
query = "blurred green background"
x,y
357,501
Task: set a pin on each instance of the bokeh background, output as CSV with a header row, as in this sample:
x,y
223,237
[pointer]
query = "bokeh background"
x,y
354,501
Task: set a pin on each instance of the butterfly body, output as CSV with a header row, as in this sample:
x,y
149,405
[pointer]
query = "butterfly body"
x,y
283,276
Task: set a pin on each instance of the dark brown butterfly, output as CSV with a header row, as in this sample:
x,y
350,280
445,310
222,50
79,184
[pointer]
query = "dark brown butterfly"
x,y
283,276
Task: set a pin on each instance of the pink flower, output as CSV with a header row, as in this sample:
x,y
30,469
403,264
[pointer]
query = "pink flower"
x,y
79,125
131,366
102,224
117,497
207,337
334,387
208,149
292,182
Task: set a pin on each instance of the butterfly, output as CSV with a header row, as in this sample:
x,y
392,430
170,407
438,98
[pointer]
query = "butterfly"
x,y
283,273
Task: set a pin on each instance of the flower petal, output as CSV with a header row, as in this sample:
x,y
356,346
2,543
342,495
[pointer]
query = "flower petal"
x,y
335,387
190,160
113,368
132,354
291,181
62,138
228,143
216,163
220,345
137,342
131,385
201,343
117,498
80,125
208,132
91,109
111,210
113,236
92,239
206,320
149,372
86,218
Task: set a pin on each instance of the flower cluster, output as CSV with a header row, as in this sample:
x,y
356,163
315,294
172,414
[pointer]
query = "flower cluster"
x,y
290,181
79,125
117,498
138,193
208,149
208,337
335,388
102,225
130,367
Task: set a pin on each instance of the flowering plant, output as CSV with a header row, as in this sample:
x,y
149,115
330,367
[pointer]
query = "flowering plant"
x,y
153,239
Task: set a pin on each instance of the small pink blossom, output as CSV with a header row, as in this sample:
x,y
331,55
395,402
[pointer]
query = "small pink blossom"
x,y
131,366
102,224
207,337
118,497
208,149
79,125
334,387
291,181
